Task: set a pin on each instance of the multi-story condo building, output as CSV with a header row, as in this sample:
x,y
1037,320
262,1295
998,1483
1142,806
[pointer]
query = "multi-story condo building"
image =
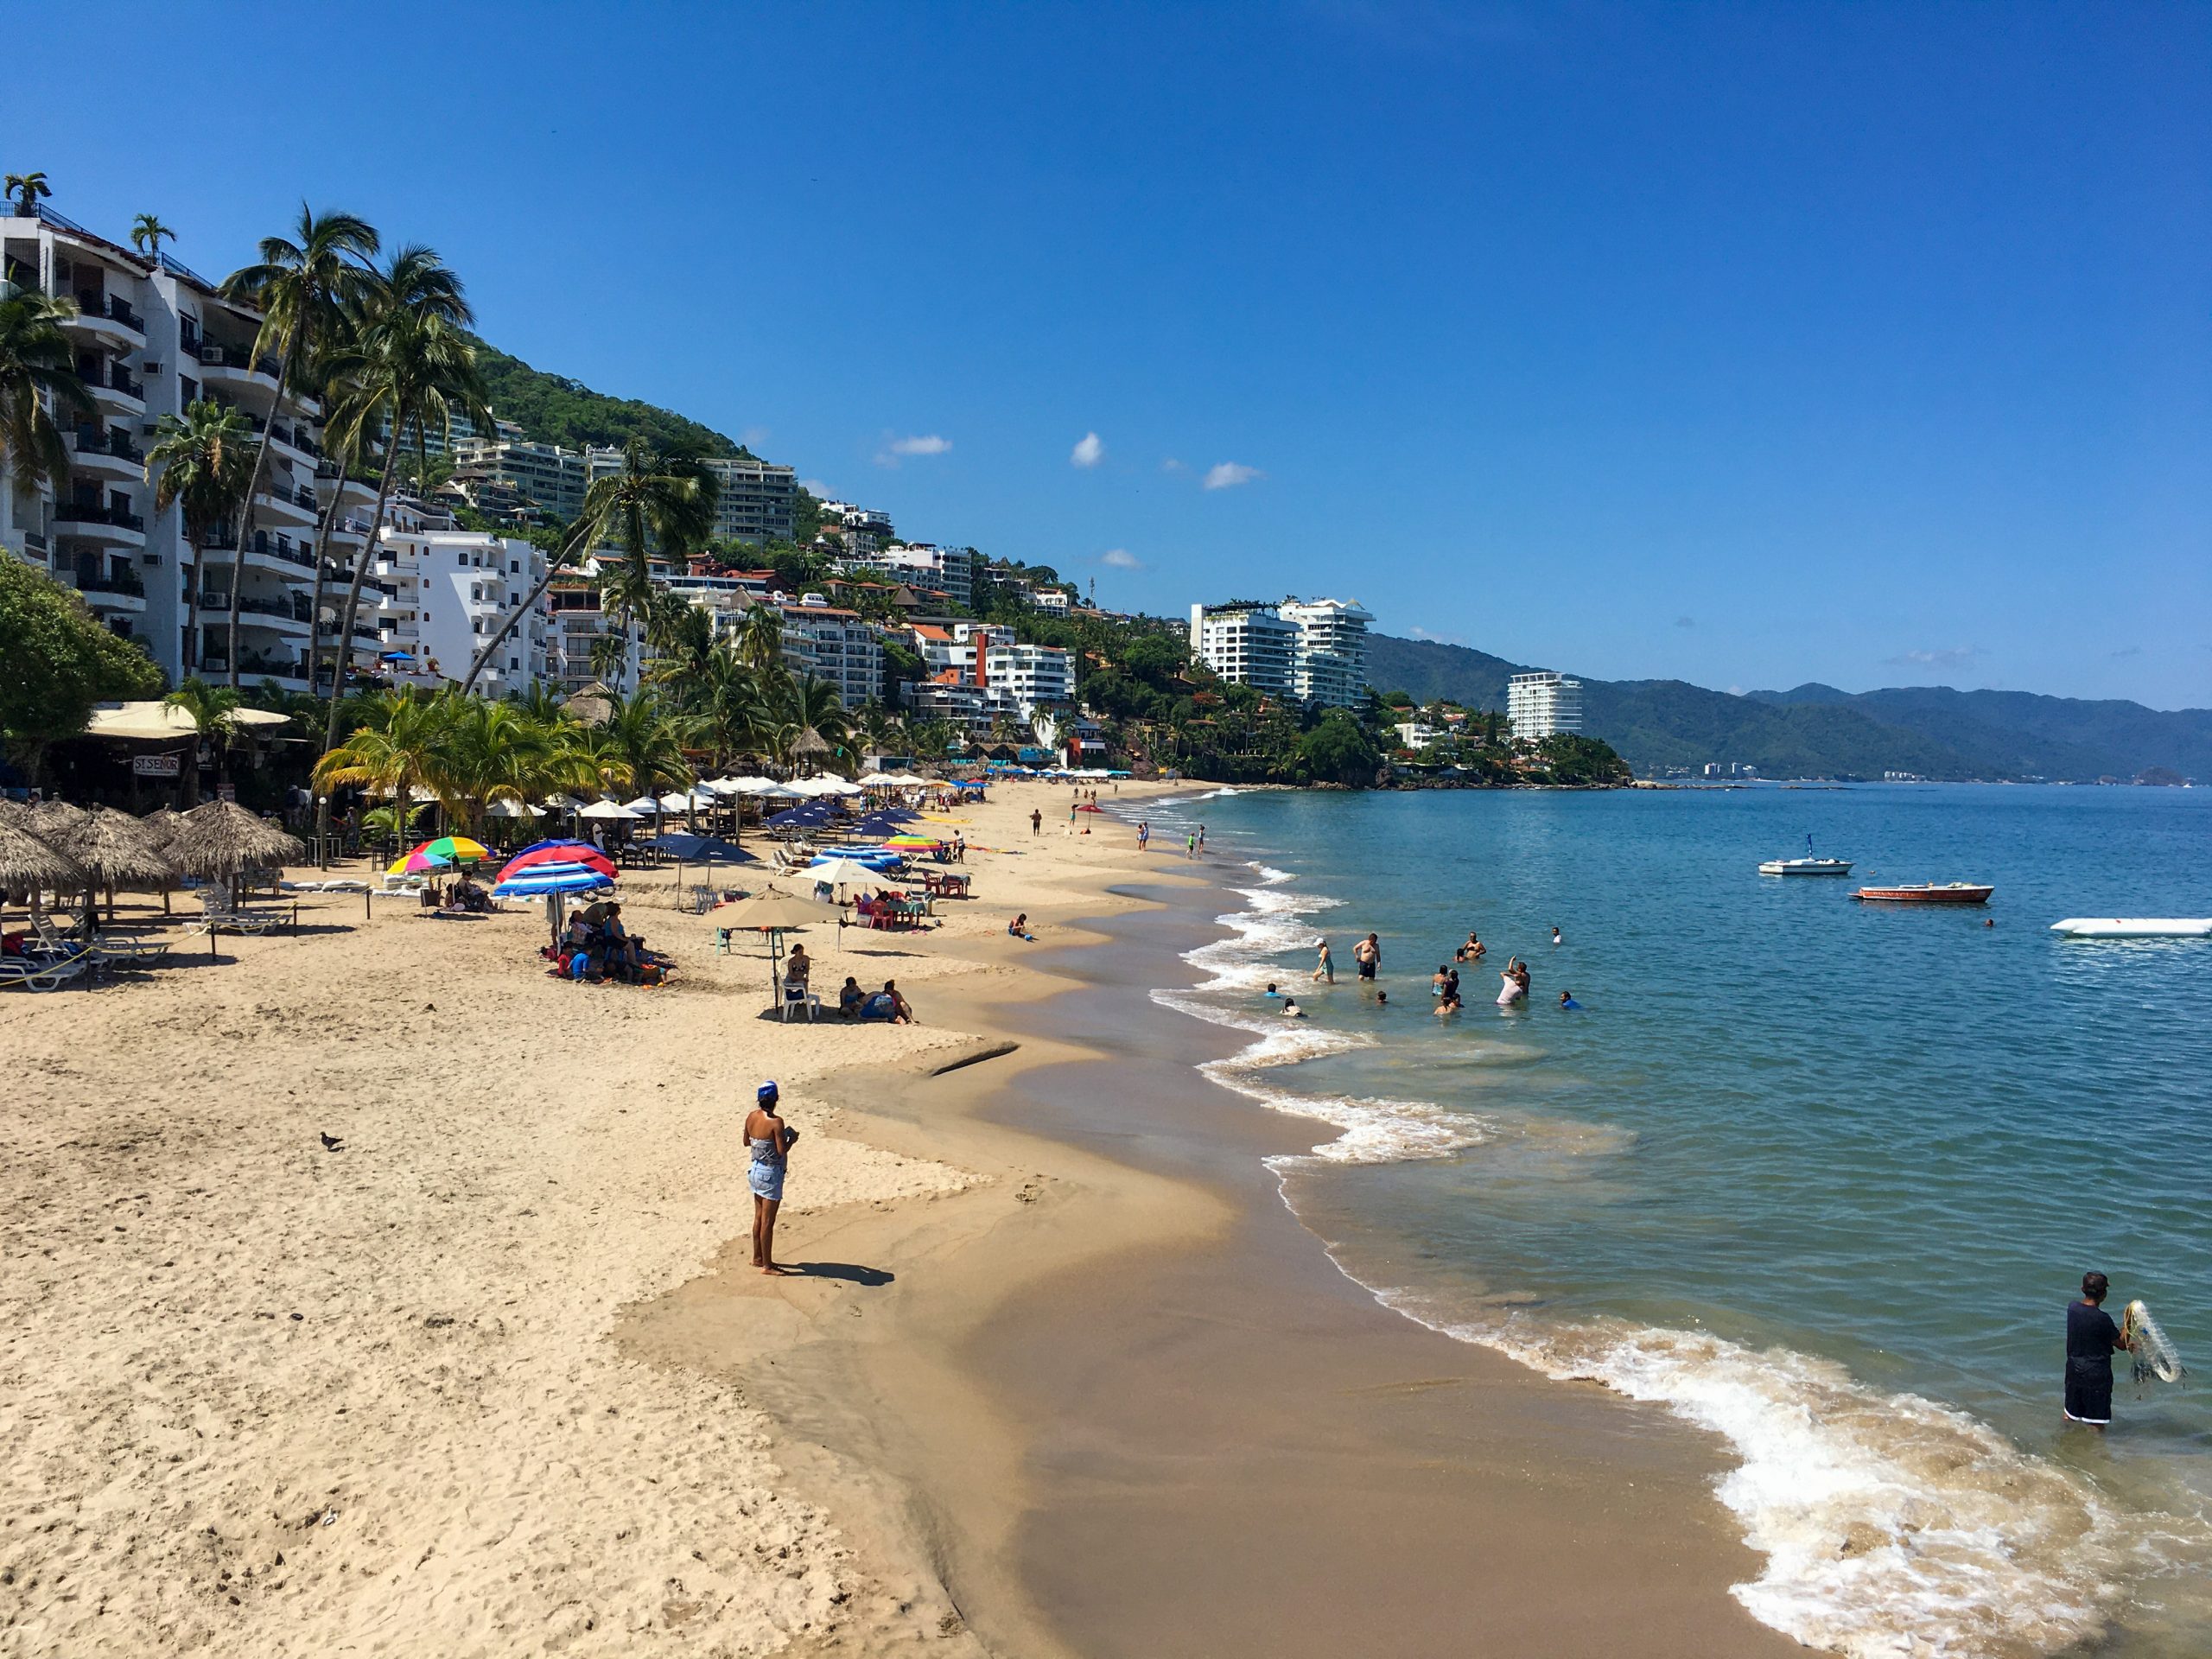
x,y
1246,645
862,529
948,697
949,570
756,503
1312,650
552,477
574,624
1032,676
150,338
1328,666
1543,704
440,593
822,642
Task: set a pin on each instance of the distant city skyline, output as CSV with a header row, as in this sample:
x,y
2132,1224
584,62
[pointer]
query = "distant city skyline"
x,y
1746,346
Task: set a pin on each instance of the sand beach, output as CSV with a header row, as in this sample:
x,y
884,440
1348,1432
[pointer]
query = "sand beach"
x,y
493,1376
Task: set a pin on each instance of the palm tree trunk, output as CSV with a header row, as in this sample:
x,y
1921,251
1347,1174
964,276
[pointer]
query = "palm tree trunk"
x,y
314,611
253,488
192,602
344,651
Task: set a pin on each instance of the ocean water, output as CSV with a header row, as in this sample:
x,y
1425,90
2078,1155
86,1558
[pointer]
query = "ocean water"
x,y
1819,1176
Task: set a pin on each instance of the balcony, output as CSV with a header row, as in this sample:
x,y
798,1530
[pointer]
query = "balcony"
x,y
108,320
294,506
115,592
235,368
117,390
108,454
282,614
291,674
90,522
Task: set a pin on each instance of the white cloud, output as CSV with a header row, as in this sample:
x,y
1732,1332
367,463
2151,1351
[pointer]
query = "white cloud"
x,y
1172,465
1228,475
1120,558
1089,450
898,448
1950,657
1419,632
817,489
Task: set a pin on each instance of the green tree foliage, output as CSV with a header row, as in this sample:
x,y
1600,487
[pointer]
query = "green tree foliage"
x,y
56,661
1339,750
552,409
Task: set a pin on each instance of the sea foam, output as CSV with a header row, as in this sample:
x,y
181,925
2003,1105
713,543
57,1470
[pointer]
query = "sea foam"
x,y
1888,1524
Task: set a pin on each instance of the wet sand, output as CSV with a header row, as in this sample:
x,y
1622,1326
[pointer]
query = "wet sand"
x,y
1116,1401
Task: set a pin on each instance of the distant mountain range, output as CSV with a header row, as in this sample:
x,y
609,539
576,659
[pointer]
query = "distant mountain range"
x,y
1817,731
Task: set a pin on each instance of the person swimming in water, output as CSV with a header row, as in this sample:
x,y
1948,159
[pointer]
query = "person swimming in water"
x,y
1291,1010
1556,937
1567,1000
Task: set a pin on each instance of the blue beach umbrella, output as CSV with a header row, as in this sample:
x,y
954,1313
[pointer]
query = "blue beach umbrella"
x,y
540,880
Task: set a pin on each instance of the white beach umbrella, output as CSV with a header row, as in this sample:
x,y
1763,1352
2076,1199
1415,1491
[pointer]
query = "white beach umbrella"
x,y
760,786
644,806
609,810
846,872
503,808
675,800
725,785
776,792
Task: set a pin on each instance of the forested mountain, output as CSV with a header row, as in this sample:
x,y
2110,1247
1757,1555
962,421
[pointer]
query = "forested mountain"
x,y
1819,731
553,409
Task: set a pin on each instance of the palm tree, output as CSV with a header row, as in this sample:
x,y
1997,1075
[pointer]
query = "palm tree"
x,y
406,744
147,235
213,710
723,694
653,498
412,366
24,189
204,462
495,751
301,287
38,369
760,637
647,741
801,709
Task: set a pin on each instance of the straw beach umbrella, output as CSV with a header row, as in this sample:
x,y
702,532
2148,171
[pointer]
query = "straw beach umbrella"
x,y
222,840
27,864
113,850
774,914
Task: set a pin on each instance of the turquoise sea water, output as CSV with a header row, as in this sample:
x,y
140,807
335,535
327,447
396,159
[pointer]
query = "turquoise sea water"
x,y
1819,1175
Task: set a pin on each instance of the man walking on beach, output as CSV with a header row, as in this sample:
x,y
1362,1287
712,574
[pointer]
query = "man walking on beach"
x,y
1036,820
1368,953
2090,1338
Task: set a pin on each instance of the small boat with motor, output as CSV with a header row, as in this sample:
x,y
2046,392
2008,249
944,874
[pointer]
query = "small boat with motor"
x,y
2134,927
1805,866
1929,893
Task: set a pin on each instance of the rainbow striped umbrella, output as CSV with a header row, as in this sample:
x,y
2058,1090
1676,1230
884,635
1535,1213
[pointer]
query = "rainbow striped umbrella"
x,y
440,854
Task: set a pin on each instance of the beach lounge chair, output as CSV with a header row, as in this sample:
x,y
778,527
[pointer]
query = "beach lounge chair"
x,y
218,911
44,971
105,952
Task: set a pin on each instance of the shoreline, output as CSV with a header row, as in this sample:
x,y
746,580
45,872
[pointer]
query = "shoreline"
x,y
1335,1430
495,1374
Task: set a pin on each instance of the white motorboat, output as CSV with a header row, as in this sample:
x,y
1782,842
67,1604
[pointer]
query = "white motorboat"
x,y
1805,866
2134,927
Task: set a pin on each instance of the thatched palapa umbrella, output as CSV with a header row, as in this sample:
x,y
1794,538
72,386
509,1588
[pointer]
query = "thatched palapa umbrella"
x,y
112,849
223,841
27,864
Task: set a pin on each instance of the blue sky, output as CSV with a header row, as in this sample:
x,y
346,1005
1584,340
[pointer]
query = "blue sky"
x,y
1745,344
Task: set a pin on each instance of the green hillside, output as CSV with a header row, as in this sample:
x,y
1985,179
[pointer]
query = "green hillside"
x,y
552,409
1817,731
2027,735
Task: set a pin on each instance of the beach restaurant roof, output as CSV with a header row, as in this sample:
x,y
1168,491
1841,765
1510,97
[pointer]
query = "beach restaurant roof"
x,y
155,722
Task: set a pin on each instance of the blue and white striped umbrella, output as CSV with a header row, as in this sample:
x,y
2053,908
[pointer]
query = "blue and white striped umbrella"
x,y
540,878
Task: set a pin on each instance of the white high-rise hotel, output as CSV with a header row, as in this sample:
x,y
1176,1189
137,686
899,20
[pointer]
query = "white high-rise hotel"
x,y
1543,704
1312,650
151,338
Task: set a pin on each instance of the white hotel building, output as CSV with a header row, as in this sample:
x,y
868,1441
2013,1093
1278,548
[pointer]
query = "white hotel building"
x,y
436,596
152,337
1543,704
1313,650
1018,679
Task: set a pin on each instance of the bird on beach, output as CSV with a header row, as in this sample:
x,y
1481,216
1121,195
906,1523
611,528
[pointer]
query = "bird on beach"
x,y
332,1142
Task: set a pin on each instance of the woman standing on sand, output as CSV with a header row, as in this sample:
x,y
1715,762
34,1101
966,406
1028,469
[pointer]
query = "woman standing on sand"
x,y
771,1139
